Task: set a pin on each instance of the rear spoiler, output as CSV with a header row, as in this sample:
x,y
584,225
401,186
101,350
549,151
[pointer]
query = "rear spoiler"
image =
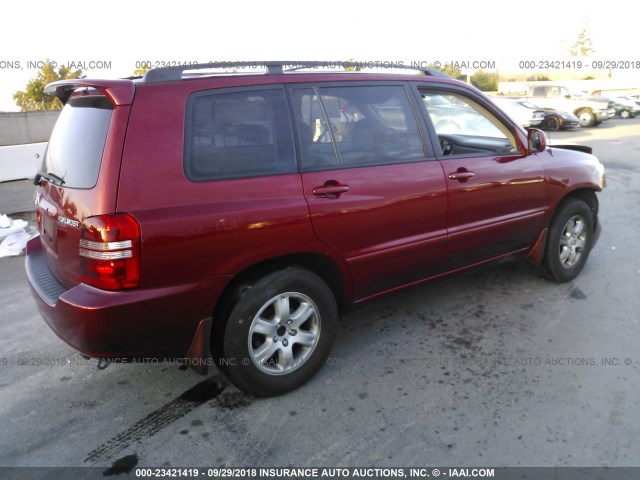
x,y
119,92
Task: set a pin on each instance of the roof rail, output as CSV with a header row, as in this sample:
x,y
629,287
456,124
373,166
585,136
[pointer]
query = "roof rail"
x,y
168,74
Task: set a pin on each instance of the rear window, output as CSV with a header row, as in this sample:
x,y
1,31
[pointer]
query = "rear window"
x,y
75,149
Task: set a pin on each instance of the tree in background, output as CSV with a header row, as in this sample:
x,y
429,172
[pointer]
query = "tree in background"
x,y
34,98
139,72
487,82
538,78
456,73
583,46
351,69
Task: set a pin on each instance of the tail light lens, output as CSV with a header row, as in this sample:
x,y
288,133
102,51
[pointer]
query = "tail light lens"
x,y
110,251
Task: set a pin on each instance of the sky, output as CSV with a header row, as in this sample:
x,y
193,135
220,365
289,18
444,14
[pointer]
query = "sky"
x,y
116,35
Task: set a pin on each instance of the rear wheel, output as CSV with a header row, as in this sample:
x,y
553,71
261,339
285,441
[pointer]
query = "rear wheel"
x,y
625,114
551,123
279,332
569,240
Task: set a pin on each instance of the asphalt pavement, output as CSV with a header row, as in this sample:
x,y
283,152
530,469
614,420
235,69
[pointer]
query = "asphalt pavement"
x,y
496,367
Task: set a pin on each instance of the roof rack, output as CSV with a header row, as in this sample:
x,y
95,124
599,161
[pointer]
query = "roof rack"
x,y
168,74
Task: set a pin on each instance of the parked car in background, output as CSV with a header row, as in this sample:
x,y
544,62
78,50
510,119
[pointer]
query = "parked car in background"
x,y
590,110
625,107
522,111
635,97
555,120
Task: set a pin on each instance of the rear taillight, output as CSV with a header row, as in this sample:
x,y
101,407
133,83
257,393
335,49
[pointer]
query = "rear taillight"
x,y
110,251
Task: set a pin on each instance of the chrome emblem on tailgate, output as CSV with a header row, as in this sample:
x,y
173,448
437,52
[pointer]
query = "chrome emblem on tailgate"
x,y
67,221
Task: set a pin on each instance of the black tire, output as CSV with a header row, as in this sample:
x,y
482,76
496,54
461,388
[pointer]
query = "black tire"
x,y
551,123
569,240
291,313
625,114
586,117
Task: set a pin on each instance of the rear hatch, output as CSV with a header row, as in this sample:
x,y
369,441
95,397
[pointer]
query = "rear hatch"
x,y
78,178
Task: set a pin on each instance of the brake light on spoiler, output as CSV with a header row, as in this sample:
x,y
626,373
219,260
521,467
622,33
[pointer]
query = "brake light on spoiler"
x,y
110,251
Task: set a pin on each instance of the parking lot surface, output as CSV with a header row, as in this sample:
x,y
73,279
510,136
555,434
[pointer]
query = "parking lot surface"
x,y
497,367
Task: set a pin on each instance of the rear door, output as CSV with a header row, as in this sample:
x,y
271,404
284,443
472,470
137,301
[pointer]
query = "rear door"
x,y
497,194
375,195
78,177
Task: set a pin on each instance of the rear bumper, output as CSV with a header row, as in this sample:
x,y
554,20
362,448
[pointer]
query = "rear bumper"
x,y
156,322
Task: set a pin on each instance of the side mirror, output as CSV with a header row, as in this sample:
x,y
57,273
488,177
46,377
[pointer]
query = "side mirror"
x,y
537,140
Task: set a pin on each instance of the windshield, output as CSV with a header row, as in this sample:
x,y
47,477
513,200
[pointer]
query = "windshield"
x,y
75,149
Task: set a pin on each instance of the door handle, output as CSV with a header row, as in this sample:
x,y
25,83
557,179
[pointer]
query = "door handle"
x,y
330,189
462,175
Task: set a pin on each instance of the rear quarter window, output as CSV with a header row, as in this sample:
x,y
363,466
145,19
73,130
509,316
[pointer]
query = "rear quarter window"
x,y
238,134
75,149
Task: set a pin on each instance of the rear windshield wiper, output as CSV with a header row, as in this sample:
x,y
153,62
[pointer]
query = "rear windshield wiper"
x,y
52,177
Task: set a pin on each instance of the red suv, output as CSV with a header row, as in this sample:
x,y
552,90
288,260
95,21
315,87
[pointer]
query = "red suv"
x,y
228,218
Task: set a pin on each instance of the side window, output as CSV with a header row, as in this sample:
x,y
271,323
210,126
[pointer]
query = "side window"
x,y
539,92
238,134
314,139
356,126
465,127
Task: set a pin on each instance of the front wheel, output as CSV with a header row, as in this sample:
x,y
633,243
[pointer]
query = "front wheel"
x,y
569,240
278,333
586,118
625,114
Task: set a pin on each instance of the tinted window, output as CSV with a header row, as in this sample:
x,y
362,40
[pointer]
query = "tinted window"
x,y
373,125
315,143
74,152
238,134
